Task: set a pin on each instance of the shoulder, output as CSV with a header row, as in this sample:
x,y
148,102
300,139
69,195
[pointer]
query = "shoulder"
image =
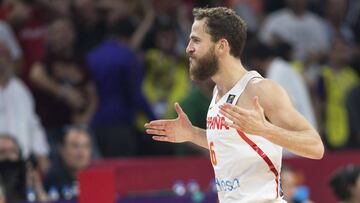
x,y
278,15
20,87
271,95
262,87
4,27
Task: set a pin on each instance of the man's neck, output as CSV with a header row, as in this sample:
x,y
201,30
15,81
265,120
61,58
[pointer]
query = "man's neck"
x,y
230,72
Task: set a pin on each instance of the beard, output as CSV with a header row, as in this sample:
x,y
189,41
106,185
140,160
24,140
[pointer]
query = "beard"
x,y
206,66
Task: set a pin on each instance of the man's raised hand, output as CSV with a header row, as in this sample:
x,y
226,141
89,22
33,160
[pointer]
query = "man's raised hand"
x,y
173,130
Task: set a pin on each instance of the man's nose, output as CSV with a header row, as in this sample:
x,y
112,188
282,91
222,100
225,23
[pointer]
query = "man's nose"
x,y
189,49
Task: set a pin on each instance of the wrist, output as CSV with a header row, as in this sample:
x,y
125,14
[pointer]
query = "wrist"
x,y
192,135
269,130
62,92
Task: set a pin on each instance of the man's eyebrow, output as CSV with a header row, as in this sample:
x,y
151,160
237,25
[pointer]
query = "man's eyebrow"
x,y
193,37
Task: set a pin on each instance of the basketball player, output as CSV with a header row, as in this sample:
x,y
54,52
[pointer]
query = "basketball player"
x,y
250,119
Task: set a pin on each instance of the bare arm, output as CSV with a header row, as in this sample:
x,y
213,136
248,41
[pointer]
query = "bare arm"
x,y
286,127
42,80
138,37
177,130
90,107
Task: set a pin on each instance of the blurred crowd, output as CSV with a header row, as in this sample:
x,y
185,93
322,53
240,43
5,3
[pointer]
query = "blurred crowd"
x,y
79,78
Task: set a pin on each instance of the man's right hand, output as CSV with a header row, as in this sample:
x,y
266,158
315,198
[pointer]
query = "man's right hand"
x,y
174,130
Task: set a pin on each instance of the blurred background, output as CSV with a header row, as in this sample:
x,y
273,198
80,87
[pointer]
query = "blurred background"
x,y
79,78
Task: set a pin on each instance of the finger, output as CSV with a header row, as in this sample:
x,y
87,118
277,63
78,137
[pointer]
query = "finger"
x,y
235,108
155,132
232,116
178,109
231,112
156,127
161,138
232,125
159,123
235,126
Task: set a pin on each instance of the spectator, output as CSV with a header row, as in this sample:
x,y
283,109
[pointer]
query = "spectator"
x,y
166,79
118,10
250,10
334,84
7,35
346,184
28,19
117,75
293,192
14,174
353,109
12,171
90,28
17,112
302,29
62,84
75,155
335,24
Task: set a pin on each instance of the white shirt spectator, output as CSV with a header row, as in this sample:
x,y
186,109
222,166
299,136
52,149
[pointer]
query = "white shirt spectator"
x,y
281,72
7,36
305,33
18,118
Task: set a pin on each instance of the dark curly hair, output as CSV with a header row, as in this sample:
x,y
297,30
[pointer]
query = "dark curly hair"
x,y
342,181
224,23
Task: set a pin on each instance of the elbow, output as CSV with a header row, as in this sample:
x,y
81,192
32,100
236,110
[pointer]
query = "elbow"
x,y
318,152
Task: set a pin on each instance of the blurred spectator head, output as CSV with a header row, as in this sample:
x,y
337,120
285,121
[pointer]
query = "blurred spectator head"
x,y
61,36
12,168
257,55
346,184
86,10
9,148
165,38
122,29
6,61
283,50
61,8
20,11
340,53
288,182
297,6
115,10
75,148
335,10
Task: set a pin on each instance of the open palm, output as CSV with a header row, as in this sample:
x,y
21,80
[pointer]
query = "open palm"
x,y
172,130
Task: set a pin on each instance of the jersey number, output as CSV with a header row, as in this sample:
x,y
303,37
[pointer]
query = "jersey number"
x,y
212,154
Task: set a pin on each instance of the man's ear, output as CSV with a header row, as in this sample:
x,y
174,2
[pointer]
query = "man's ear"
x,y
222,46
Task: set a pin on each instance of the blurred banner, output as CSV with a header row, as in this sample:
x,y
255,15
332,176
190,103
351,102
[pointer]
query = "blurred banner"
x,y
152,179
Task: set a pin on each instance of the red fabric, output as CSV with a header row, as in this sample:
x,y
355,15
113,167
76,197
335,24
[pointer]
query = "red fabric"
x,y
98,185
31,38
264,157
126,176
